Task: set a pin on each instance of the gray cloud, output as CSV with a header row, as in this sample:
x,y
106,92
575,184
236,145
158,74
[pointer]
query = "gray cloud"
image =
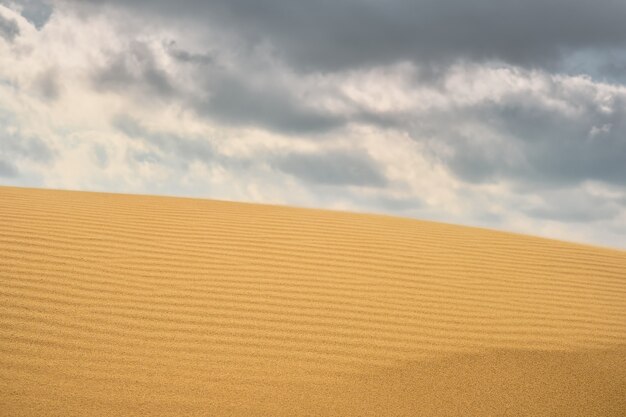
x,y
332,168
389,203
7,169
114,76
16,147
101,155
583,211
189,149
537,144
335,34
572,205
48,84
226,96
22,147
37,12
184,56
135,69
613,68
528,143
9,29
236,101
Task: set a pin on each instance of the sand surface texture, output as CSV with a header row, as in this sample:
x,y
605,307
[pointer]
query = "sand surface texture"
x,y
148,306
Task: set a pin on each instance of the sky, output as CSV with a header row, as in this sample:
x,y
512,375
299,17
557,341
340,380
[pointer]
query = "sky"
x,y
501,114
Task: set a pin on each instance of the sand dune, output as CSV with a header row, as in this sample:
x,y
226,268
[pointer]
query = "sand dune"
x,y
138,305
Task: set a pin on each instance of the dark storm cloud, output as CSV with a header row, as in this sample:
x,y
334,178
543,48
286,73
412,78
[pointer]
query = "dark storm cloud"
x,y
335,34
535,143
236,101
9,29
228,97
332,168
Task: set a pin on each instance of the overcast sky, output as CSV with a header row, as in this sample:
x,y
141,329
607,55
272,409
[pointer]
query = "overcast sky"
x,y
504,114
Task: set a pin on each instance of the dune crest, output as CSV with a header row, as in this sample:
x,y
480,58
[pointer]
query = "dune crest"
x,y
140,305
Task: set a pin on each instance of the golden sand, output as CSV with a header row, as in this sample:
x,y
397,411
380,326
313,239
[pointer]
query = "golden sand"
x,y
148,306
